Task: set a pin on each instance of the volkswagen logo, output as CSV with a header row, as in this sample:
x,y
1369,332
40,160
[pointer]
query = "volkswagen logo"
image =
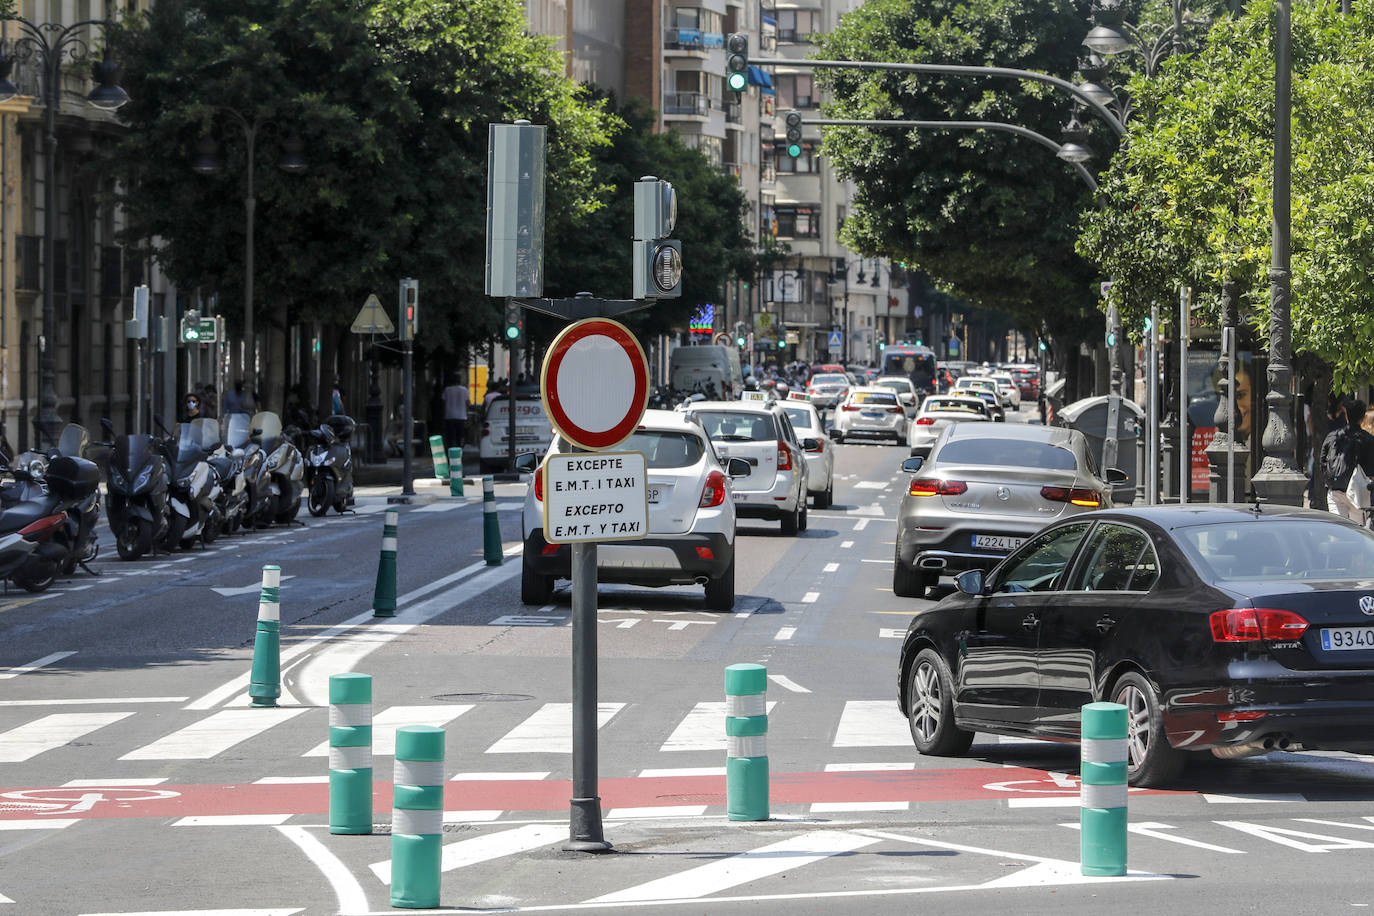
x,y
1367,604
1004,494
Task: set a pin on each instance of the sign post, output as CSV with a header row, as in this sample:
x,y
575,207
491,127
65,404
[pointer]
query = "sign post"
x,y
595,386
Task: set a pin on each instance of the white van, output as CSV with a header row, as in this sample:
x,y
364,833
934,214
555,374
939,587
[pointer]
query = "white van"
x,y
702,368
533,431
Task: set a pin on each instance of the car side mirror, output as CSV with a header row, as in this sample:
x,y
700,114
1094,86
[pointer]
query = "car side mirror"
x,y
970,582
913,464
811,445
526,461
1115,476
737,468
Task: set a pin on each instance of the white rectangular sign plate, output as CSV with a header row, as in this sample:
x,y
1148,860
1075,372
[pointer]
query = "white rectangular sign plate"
x,y
595,497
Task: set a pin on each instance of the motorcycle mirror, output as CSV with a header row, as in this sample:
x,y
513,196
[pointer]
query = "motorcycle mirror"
x,y
107,427
160,425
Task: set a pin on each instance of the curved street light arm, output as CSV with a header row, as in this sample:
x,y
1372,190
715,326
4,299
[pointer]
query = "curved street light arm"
x,y
955,69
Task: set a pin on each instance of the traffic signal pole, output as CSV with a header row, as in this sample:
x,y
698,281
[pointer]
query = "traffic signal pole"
x,y
514,346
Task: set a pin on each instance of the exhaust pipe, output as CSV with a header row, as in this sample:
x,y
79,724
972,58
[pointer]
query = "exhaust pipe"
x,y
702,580
1238,751
933,563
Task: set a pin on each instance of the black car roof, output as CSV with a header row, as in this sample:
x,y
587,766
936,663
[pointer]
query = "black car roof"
x,y
1176,516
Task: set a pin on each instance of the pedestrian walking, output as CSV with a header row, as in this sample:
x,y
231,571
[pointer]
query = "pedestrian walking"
x,y
1348,453
455,412
336,404
190,408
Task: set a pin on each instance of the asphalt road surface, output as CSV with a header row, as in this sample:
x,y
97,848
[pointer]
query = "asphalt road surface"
x,y
135,778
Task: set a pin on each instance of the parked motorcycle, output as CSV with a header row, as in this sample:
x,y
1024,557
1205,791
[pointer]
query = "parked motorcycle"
x,y
59,522
137,491
283,470
193,485
251,493
329,465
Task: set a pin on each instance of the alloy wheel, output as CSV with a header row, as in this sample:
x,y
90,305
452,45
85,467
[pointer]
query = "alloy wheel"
x,y
1137,724
925,701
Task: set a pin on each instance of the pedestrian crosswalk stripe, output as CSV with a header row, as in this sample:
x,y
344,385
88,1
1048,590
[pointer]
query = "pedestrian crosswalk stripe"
x,y
47,823
499,777
33,738
440,507
714,877
549,730
703,729
660,811
212,735
488,847
858,806
872,723
385,723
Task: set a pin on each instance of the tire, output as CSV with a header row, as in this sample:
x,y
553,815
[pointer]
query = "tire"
x,y
906,581
720,593
1151,761
321,495
802,519
176,524
534,588
31,581
791,523
827,499
930,708
136,539
289,515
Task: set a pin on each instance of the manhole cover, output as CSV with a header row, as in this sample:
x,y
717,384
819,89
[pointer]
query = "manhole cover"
x,y
482,697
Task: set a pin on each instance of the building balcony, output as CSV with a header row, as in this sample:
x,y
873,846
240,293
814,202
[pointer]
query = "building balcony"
x,y
734,114
768,174
692,40
730,168
687,104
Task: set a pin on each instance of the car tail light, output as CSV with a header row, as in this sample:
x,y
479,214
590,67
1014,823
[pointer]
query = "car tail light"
x,y
820,447
539,485
897,409
1078,496
784,457
1241,715
850,407
925,421
706,553
551,549
713,494
1251,624
931,487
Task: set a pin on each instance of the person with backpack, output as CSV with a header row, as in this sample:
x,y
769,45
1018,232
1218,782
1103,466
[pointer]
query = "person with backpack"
x,y
1346,448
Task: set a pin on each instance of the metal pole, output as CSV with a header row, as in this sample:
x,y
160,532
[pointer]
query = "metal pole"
x,y
47,359
139,385
1152,409
1228,343
407,423
250,205
1185,441
584,821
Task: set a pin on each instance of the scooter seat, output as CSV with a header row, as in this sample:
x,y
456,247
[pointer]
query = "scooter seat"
x,y
224,467
19,517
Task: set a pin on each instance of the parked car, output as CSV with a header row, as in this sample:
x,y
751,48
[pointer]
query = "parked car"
x,y
939,411
1229,629
826,389
760,434
820,460
983,491
870,413
906,391
533,431
1006,387
691,519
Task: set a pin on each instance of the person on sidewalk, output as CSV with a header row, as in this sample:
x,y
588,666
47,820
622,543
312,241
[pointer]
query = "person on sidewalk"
x,y
1347,447
455,412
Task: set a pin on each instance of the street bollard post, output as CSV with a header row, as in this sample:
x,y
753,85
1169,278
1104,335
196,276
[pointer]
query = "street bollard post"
x,y
350,753
455,470
417,820
264,684
491,524
1102,812
746,738
384,596
436,452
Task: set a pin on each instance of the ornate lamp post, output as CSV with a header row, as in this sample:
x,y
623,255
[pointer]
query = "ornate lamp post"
x,y
50,44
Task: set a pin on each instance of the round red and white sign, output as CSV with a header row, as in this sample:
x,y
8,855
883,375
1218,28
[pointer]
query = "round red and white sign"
x,y
595,383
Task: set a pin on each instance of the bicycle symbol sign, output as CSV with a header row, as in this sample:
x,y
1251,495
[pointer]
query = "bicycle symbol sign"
x,y
77,799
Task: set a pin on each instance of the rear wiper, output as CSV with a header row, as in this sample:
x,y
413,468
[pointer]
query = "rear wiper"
x,y
732,439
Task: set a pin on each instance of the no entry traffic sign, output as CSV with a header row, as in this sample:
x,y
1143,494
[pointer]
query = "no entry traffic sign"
x,y
595,383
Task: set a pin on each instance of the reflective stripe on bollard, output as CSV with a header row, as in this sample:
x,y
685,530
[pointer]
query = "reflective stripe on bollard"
x,y
436,452
264,684
455,466
384,597
350,753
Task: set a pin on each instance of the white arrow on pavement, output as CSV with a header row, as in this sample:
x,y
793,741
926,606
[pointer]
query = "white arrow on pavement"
x,y
245,590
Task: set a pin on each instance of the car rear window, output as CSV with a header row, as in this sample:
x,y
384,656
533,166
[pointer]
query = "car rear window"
x,y
1309,549
727,426
894,384
830,380
800,417
947,405
1010,453
665,449
874,397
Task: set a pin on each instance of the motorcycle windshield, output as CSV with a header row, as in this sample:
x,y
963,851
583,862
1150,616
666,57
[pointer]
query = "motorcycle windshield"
x,y
270,424
207,431
237,430
132,452
73,441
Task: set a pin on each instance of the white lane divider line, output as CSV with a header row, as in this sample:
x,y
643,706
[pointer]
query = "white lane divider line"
x,y
7,673
93,701
232,820
786,683
845,545
350,894
861,524
811,597
53,731
890,633
51,823
110,783
675,772
485,848
785,633
499,777
856,806
831,567
549,730
1152,830
870,485
867,767
714,877
291,780
700,729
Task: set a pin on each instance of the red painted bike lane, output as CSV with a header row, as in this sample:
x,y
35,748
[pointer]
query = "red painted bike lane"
x,y
536,797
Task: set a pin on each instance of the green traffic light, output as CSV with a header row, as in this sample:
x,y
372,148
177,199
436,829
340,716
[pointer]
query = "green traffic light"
x,y
193,335
794,150
782,344
739,341
1111,340
512,332
736,82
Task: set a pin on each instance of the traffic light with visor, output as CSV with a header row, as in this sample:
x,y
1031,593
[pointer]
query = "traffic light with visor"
x,y
736,62
190,326
793,122
515,323
410,308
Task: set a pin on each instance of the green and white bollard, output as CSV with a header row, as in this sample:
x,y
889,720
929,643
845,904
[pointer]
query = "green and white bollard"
x,y
417,820
1102,816
264,684
491,525
436,452
350,753
746,738
384,596
455,464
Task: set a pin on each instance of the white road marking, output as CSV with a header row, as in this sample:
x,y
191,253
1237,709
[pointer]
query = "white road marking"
x,y
228,592
887,562
674,772
487,847
1285,837
787,683
846,544
549,730
866,767
440,507
811,597
870,485
498,777
1256,798
1152,830
843,807
50,823
861,524
347,890
1045,801
213,734
785,633
93,701
471,817
872,723
232,820
890,633
33,738
702,729
831,567
385,723
110,783
763,862
288,911
291,780
664,811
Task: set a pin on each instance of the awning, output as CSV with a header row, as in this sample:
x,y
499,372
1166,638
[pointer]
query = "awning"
x,y
759,77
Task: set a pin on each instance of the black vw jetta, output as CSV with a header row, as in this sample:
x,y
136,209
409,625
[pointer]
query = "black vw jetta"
x,y
1230,629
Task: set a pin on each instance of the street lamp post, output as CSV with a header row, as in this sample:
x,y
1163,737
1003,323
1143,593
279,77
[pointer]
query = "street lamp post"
x,y
50,43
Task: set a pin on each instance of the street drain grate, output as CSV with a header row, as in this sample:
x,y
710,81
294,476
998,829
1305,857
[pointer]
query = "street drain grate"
x,y
482,697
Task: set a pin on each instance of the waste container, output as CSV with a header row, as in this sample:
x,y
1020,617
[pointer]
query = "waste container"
x,y
1089,416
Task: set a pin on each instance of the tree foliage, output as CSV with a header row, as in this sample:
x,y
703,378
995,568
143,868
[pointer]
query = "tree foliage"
x,y
1189,197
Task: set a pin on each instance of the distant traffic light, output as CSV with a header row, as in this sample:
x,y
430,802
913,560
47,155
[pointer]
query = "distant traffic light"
x,y
740,341
190,326
793,120
410,308
782,343
515,323
736,62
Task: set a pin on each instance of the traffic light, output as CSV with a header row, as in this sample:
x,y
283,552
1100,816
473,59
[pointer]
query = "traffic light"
x,y
736,62
657,258
793,121
882,341
740,340
782,340
410,308
515,323
190,326
1113,323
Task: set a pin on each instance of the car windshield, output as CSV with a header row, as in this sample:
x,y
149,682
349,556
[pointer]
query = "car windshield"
x,y
950,405
800,417
1306,548
665,448
829,380
728,426
1011,453
874,397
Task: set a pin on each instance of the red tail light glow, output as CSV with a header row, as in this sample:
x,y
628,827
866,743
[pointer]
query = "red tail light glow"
x,y
897,409
706,553
931,487
1241,715
1078,496
551,549
539,485
1251,624
784,457
925,421
713,494
847,407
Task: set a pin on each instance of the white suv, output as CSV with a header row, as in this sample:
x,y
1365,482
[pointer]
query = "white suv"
x,y
691,519
761,434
